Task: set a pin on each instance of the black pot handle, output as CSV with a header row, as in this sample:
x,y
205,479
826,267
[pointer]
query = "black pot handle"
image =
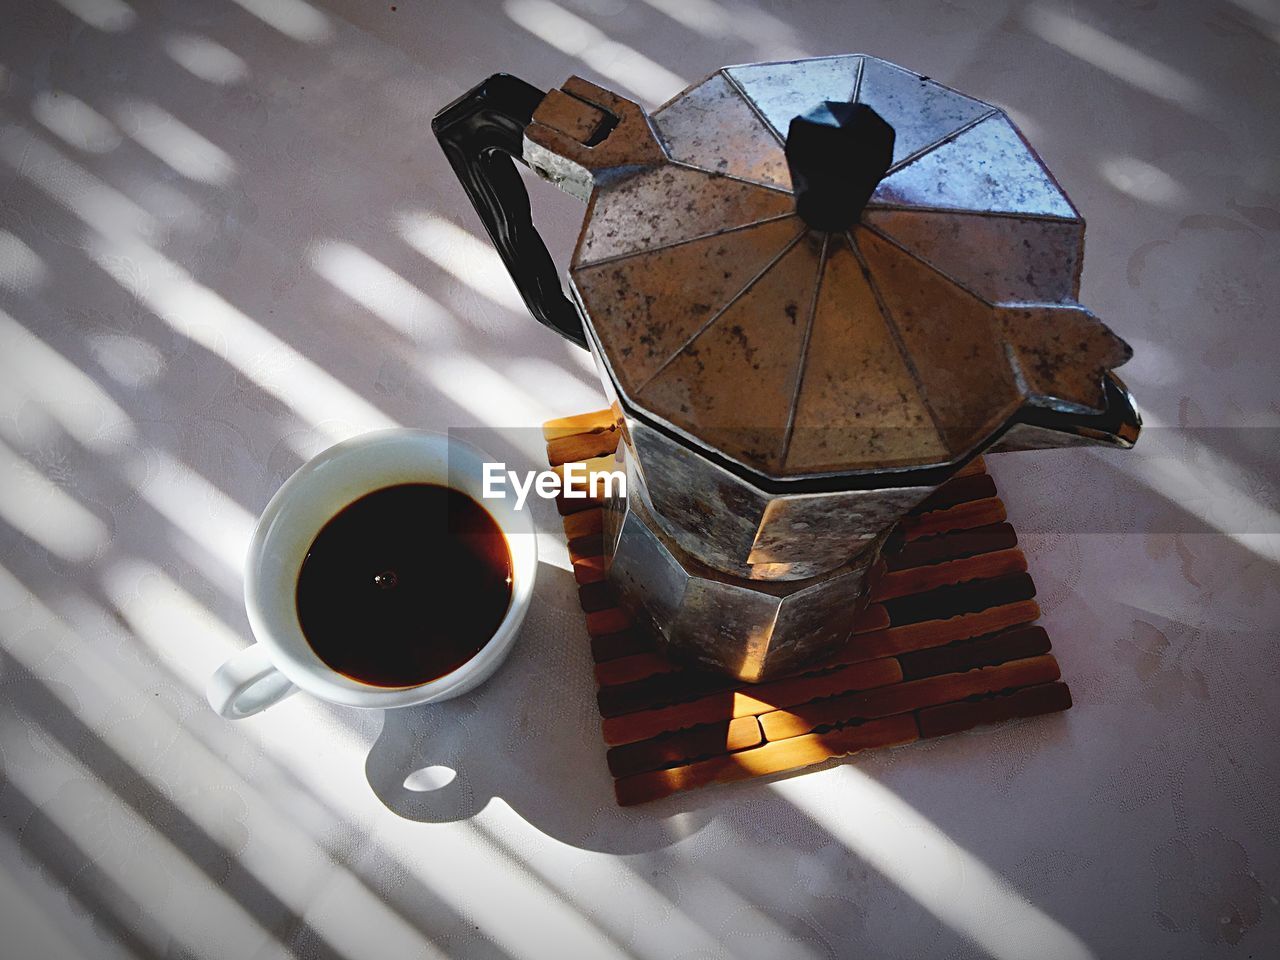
x,y
482,134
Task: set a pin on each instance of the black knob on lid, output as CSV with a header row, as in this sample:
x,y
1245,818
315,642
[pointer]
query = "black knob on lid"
x,y
837,153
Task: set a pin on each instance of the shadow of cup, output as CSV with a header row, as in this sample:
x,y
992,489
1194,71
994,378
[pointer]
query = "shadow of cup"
x,y
530,737
429,738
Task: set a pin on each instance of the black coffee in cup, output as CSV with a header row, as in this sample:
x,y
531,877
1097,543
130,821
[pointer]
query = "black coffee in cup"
x,y
404,585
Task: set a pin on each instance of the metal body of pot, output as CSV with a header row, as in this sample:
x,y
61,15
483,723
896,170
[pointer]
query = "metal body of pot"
x,y
814,290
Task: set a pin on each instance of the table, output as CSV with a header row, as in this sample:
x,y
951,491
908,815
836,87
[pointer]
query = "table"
x,y
228,239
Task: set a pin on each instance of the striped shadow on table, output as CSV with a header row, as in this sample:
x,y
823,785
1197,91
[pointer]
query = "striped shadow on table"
x,y
946,643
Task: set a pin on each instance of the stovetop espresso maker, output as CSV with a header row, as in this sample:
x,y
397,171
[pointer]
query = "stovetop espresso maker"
x,y
814,290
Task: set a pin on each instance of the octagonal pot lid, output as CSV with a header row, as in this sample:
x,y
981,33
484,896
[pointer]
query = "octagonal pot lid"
x,y
908,338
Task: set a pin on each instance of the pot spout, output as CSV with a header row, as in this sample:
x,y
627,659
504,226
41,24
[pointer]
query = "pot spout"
x,y
1040,428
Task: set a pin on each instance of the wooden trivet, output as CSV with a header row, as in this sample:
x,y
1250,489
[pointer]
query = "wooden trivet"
x,y
945,644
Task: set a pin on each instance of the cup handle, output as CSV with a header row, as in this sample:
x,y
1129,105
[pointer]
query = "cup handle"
x,y
246,684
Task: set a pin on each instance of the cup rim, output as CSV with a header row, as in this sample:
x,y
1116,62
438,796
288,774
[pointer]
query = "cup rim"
x,y
318,678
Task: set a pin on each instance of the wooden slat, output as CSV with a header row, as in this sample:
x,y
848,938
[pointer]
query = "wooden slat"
x,y
934,633
597,596
747,701
977,513
662,690
1027,702
592,422
948,601
583,523
779,693
588,569
1015,644
635,667
767,759
611,646
977,486
904,697
976,465
984,566
950,546
582,446
610,620
576,504
601,464
871,617
684,746
568,508
584,548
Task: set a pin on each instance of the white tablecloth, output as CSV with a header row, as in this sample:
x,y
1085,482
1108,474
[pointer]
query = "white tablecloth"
x,y
228,238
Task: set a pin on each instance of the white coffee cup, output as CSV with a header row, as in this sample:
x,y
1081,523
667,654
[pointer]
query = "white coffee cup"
x,y
281,662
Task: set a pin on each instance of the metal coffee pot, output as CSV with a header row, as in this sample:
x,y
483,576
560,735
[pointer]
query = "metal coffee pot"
x,y
814,290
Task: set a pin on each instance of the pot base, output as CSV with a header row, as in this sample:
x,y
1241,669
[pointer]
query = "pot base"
x,y
753,630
